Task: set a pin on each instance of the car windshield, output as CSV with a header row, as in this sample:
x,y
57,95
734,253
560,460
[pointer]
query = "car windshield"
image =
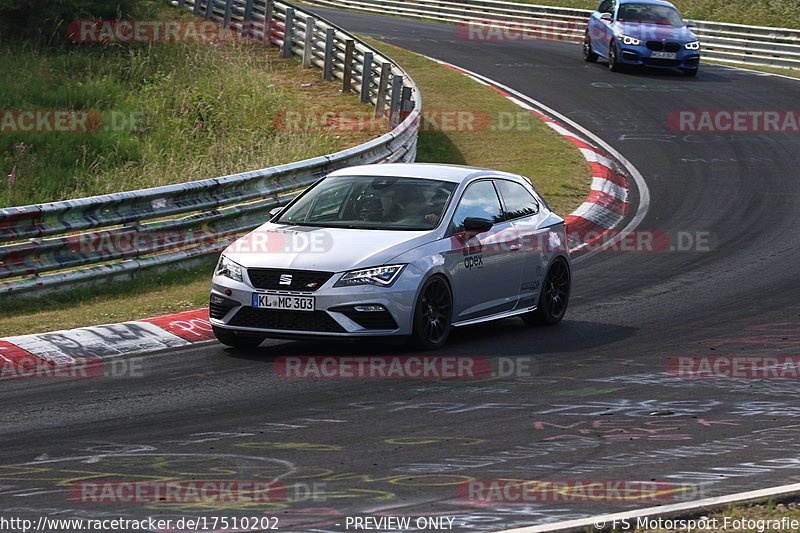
x,y
649,14
371,202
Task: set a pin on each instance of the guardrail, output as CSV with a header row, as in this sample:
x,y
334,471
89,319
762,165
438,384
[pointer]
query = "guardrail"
x,y
734,43
47,245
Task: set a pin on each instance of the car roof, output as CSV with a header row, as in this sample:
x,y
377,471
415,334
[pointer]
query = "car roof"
x,y
653,2
434,171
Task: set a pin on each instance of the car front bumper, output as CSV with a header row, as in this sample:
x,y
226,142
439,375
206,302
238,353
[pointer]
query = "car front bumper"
x,y
338,311
641,55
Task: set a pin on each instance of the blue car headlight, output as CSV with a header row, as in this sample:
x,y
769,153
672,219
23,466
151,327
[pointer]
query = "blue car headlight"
x,y
382,276
694,45
226,267
632,41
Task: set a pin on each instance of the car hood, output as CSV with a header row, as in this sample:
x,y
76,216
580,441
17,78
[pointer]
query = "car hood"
x,y
656,32
329,249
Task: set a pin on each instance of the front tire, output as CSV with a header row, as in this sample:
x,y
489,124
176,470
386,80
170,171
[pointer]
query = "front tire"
x,y
588,54
229,338
432,314
613,63
554,296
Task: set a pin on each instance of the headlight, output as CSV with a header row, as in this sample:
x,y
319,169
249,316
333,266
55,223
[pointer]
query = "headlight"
x,y
382,276
630,40
694,45
226,267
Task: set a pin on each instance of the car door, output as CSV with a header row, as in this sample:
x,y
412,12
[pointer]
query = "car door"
x,y
483,267
601,29
525,212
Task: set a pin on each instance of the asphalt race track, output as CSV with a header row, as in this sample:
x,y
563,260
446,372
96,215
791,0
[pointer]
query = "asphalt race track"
x,y
590,400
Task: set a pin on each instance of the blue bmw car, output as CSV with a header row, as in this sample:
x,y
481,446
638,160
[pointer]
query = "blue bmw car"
x,y
641,32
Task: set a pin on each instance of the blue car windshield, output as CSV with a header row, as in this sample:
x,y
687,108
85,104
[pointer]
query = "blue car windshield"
x,y
371,202
649,14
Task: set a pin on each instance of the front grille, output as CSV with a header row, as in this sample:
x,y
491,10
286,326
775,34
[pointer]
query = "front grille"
x,y
658,62
301,280
672,47
369,320
655,46
319,321
692,61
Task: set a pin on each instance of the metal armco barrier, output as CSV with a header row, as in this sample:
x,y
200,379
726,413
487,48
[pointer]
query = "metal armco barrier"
x,y
48,245
735,43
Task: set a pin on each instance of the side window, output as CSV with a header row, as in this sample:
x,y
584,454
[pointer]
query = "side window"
x,y
606,6
518,201
479,200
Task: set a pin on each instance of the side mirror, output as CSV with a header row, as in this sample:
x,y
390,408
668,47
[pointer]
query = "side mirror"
x,y
691,24
606,16
477,225
275,211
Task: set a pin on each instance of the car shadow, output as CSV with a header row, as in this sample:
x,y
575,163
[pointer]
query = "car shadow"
x,y
644,73
508,337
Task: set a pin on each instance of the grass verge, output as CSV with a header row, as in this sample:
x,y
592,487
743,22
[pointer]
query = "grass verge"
x,y
163,113
512,140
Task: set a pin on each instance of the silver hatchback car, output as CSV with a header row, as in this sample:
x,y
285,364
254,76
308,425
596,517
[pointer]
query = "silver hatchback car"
x,y
395,250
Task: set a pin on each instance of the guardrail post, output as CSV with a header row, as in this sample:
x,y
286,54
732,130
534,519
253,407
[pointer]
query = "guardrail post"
x,y
383,86
405,99
196,8
347,78
366,77
269,12
327,70
226,22
288,31
209,9
248,11
308,43
181,3
394,101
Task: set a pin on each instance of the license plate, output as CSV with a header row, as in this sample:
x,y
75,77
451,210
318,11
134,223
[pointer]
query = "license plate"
x,y
665,55
283,302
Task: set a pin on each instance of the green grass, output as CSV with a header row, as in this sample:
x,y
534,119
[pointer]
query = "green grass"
x,y
172,113
782,13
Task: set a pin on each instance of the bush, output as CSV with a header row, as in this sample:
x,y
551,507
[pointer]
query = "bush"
x,y
34,20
